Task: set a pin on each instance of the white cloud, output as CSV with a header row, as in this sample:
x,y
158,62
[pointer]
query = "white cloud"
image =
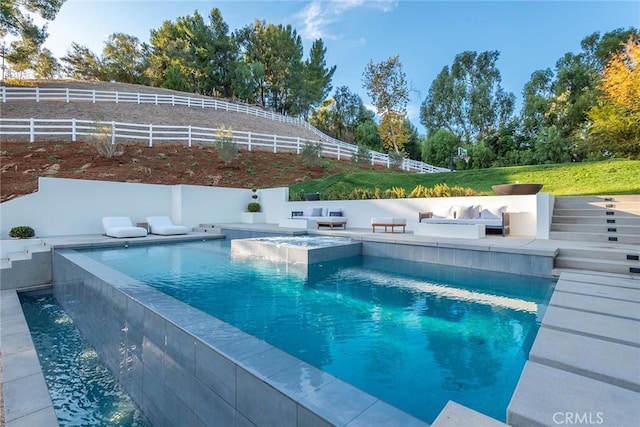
x,y
318,16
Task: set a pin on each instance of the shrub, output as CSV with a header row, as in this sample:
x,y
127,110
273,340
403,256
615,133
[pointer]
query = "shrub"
x,y
22,232
101,137
396,159
311,154
362,156
419,191
253,207
396,193
228,150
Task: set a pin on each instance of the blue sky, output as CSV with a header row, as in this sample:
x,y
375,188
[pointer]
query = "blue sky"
x,y
530,35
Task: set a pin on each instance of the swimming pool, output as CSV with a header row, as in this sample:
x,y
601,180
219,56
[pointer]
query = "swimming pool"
x,y
412,334
83,390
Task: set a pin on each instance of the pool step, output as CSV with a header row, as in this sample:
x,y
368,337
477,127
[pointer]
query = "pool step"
x,y
207,228
28,264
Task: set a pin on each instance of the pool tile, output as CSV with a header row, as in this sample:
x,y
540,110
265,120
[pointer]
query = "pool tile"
x,y
43,417
181,347
217,372
154,327
153,358
301,380
24,396
20,364
210,408
243,348
270,362
179,381
262,404
338,401
381,414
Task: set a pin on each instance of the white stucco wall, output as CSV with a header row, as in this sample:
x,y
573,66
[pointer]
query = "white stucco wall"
x,y
70,206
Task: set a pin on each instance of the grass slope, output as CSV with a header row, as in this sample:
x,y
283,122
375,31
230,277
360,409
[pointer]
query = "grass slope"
x,y
570,179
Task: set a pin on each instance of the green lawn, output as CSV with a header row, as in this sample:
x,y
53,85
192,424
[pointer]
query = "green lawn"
x,y
569,179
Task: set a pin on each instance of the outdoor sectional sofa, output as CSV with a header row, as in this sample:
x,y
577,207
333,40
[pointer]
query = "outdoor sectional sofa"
x,y
316,217
493,218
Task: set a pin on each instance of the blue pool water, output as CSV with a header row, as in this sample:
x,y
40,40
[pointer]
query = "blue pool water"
x,y
83,391
412,334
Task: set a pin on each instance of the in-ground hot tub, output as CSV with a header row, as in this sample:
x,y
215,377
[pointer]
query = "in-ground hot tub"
x,y
296,249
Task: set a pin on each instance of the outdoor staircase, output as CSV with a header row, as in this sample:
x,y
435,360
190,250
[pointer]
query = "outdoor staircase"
x,y
206,228
602,233
24,263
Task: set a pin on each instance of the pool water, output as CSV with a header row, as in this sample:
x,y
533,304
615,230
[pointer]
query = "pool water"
x,y
415,335
83,390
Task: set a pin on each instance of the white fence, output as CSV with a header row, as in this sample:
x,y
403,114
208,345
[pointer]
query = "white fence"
x,y
128,131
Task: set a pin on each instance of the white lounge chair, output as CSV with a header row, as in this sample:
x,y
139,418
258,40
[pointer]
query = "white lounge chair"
x,y
121,226
163,225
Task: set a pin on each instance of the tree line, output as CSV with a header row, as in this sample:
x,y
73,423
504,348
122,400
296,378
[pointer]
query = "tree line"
x,y
586,108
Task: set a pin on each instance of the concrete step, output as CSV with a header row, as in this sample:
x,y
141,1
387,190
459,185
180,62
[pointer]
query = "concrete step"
x,y
604,213
573,200
207,228
595,237
631,254
612,229
601,265
617,220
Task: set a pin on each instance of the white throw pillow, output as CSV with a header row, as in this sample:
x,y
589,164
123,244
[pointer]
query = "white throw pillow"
x,y
464,212
442,212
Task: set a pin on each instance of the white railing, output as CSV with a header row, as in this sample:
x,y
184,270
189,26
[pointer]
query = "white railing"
x,y
94,96
151,134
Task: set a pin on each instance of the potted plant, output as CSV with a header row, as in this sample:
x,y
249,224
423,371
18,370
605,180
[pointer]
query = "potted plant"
x,y
253,214
254,206
22,232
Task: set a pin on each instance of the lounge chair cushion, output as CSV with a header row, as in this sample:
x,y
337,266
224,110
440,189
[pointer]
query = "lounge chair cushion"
x,y
121,227
163,225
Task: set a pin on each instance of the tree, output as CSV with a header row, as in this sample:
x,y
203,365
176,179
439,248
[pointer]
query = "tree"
x,y
467,98
537,95
193,56
615,120
82,63
386,85
15,19
317,78
123,59
438,147
46,65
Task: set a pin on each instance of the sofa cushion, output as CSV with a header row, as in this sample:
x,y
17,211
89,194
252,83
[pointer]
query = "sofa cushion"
x,y
443,212
297,213
493,213
316,212
466,212
335,212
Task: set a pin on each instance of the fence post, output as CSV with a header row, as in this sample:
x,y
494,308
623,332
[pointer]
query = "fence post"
x,y
37,94
298,146
151,130
338,152
117,96
275,144
249,140
67,95
113,132
188,101
173,100
138,98
189,133
202,102
93,96
4,94
156,99
73,130
32,130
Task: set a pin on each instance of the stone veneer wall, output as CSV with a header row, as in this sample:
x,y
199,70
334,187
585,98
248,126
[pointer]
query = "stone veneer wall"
x,y
184,367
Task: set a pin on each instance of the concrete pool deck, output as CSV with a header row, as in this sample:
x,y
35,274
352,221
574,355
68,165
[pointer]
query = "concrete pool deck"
x,y
584,364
